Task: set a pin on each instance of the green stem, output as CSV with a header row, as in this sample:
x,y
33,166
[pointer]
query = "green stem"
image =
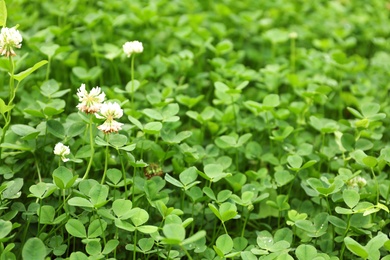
x,y
91,142
11,79
115,237
64,204
103,234
133,185
291,185
321,150
39,217
48,68
12,93
38,170
376,184
186,252
165,154
215,233
132,83
224,227
182,198
169,251
105,162
135,245
345,234
26,228
244,226
123,171
235,116
328,205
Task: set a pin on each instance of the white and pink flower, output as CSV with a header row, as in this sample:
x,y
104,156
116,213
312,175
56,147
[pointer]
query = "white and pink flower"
x,y
10,38
91,102
110,111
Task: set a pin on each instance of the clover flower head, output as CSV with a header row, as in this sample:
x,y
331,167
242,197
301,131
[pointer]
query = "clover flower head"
x,y
10,38
357,182
62,150
293,35
132,47
110,111
91,102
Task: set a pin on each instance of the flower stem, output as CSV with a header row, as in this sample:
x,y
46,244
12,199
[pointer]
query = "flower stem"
x,y
135,245
91,142
186,252
123,172
245,222
376,184
38,170
105,162
12,93
132,82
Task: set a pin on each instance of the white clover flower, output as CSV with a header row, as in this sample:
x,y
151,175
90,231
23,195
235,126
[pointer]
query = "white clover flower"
x,y
10,38
293,35
90,102
132,47
357,182
110,111
62,150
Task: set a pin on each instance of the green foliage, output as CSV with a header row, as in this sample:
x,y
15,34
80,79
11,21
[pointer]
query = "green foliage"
x,y
247,130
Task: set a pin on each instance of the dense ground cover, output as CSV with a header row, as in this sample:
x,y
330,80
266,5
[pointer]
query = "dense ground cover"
x,y
250,130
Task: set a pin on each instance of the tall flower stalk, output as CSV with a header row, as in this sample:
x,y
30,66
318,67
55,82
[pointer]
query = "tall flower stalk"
x,y
130,48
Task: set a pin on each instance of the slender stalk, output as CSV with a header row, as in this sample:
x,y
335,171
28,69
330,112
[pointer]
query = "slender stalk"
x,y
328,205
245,222
91,142
291,185
133,185
115,237
345,234
182,198
103,235
39,216
235,116
376,184
224,227
64,199
215,233
132,82
123,172
135,245
48,68
105,162
321,150
11,79
38,170
186,252
12,92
